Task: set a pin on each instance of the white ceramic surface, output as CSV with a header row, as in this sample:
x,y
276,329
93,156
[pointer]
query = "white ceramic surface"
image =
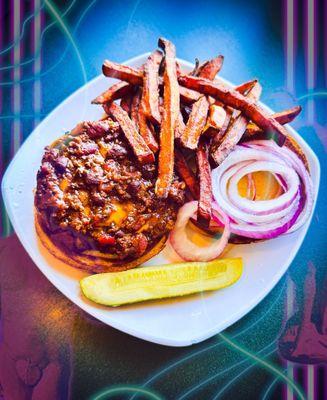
x,y
178,322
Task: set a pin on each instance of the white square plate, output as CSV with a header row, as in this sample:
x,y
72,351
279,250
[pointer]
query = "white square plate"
x,y
178,322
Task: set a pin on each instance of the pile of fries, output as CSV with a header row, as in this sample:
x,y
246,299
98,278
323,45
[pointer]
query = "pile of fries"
x,y
187,122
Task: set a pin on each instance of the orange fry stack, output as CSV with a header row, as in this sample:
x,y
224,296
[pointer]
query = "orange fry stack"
x,y
187,123
150,94
140,148
169,119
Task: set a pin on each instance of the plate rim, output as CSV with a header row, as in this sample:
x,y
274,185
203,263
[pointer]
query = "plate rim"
x,y
192,339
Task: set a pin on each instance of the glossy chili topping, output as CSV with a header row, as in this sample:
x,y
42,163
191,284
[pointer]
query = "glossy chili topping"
x,y
93,194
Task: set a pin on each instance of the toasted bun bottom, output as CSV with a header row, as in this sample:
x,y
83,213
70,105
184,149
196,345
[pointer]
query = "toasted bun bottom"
x,y
94,264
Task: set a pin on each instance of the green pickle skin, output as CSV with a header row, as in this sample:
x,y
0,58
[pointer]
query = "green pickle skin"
x,y
158,282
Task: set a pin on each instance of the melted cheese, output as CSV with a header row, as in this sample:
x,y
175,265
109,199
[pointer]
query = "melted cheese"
x,y
119,213
63,184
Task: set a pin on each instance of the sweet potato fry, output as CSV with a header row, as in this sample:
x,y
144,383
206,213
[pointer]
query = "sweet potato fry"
x,y
188,96
135,105
234,99
218,137
195,124
254,93
230,140
185,172
197,120
150,93
287,116
180,126
283,117
138,145
204,173
246,86
140,122
170,115
162,67
116,91
235,130
126,103
122,72
210,68
216,117
147,132
135,77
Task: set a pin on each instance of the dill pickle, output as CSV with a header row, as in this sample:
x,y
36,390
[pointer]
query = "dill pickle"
x,y
158,282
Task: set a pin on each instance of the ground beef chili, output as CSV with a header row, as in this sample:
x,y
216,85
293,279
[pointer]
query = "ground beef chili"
x,y
93,195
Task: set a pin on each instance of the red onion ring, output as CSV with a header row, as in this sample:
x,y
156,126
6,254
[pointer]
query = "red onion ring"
x,y
250,187
187,249
295,162
264,219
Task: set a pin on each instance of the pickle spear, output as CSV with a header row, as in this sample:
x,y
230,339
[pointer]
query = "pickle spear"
x,y
158,282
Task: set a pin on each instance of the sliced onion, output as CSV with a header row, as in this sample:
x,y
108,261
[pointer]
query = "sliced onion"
x,y
293,160
281,182
187,249
264,219
263,207
267,231
251,190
